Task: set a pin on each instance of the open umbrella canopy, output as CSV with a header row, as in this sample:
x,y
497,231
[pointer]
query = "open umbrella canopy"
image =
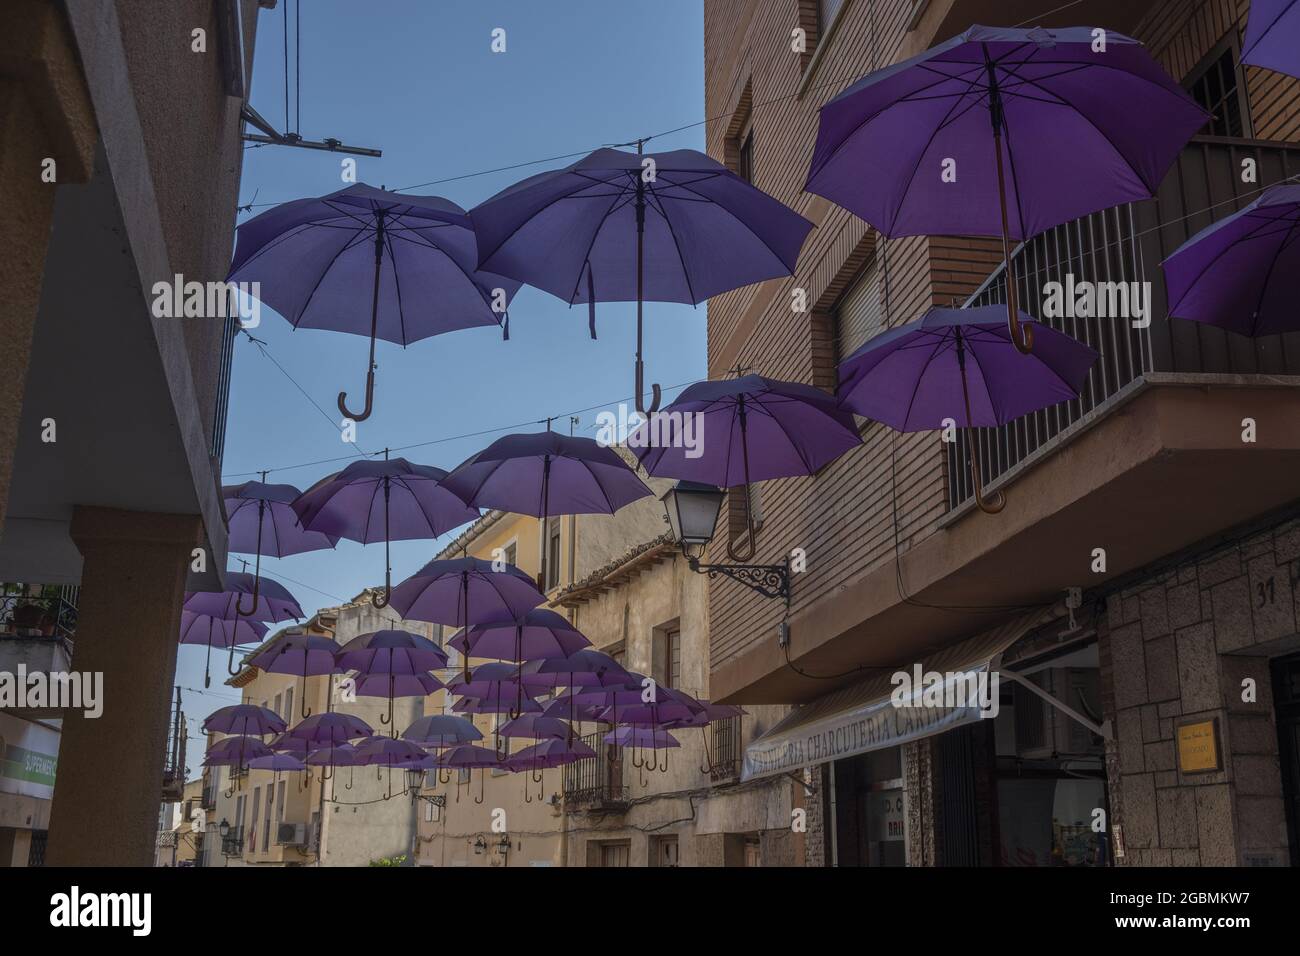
x,y
468,756
391,651
337,755
913,376
1081,130
331,729
388,752
621,227
305,655
1242,273
642,738
757,429
274,603
506,699
545,474
707,714
587,667
536,727
262,521
396,685
371,262
1273,36
570,707
286,743
235,751
279,762
539,634
244,719
441,730
383,500
548,753
459,592
220,632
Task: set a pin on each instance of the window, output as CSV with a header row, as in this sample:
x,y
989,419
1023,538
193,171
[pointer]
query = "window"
x,y
278,705
615,854
552,553
512,552
266,824
257,806
667,668
753,851
745,159
279,804
288,705
1214,84
858,314
663,850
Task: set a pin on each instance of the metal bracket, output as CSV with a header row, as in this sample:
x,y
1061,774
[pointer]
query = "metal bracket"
x,y
769,580
1101,730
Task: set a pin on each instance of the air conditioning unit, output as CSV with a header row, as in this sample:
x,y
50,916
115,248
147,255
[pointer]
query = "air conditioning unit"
x,y
1043,730
292,834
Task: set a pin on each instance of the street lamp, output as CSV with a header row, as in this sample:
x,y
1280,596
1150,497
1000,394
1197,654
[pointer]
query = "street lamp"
x,y
224,828
479,845
691,509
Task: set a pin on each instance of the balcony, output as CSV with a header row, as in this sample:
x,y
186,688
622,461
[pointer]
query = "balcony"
x,y
724,750
1127,244
598,782
174,769
232,844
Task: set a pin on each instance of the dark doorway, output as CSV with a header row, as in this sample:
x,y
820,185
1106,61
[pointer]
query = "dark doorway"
x,y
1286,703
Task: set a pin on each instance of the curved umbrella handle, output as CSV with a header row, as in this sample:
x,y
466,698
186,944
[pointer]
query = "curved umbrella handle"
x,y
257,587
640,391
750,548
381,601
481,784
1021,337
303,709
232,671
370,399
999,500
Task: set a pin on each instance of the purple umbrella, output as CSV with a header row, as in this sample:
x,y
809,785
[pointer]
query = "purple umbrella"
x,y
274,603
642,737
914,376
495,704
536,727
337,755
389,500
706,715
617,226
460,592
305,655
539,634
278,762
261,522
392,686
413,257
545,474
389,752
286,743
1040,121
441,730
1273,36
759,428
545,755
1242,273
244,719
235,752
391,651
467,757
223,632
587,667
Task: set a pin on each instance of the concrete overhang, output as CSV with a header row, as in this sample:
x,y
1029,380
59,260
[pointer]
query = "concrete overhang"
x,y
938,20
1159,469
115,380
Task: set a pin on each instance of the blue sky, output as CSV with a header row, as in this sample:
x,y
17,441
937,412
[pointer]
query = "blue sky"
x,y
419,80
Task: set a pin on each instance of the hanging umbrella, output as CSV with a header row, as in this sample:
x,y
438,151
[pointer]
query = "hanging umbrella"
x,y
545,755
409,260
1002,132
1271,36
392,686
235,752
707,714
467,757
251,719
498,703
262,523
618,226
391,651
440,731
1242,273
536,727
539,634
914,376
274,603
641,739
223,632
389,500
390,752
336,755
286,743
545,474
588,666
303,655
331,729
759,428
460,592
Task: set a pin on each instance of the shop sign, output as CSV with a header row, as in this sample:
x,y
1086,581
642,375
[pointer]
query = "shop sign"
x,y
1198,746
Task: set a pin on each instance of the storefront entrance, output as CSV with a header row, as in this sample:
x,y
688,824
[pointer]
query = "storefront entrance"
x,y
870,810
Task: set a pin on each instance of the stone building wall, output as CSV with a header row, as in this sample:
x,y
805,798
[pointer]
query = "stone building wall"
x,y
1179,646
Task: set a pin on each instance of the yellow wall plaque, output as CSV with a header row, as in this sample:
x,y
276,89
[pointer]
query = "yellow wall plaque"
x,y
1198,746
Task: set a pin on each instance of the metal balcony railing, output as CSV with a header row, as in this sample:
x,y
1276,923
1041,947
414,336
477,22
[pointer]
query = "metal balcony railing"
x,y
33,610
1127,244
599,779
724,748
174,768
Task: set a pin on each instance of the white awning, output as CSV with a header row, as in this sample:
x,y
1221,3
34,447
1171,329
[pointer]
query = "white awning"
x,y
862,717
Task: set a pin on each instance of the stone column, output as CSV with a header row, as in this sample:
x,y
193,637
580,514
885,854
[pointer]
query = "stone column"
x,y
45,114
109,782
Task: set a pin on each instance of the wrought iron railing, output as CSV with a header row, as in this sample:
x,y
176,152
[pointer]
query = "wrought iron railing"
x,y
174,767
724,758
38,610
1127,244
598,779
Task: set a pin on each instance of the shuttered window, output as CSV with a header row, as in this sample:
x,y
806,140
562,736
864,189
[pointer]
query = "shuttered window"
x,y
857,314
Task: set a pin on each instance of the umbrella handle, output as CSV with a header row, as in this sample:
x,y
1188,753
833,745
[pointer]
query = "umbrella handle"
x,y
640,391
257,587
232,671
207,664
750,547
1022,337
370,397
377,601
481,794
304,710
708,759
374,329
